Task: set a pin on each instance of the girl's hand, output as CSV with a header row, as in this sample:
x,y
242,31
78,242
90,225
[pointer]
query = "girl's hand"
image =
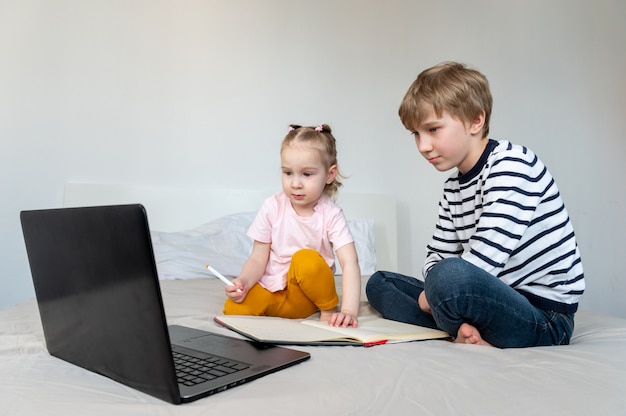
x,y
236,292
343,319
251,272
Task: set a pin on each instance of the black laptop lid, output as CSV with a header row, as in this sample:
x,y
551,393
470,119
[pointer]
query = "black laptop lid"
x,y
98,293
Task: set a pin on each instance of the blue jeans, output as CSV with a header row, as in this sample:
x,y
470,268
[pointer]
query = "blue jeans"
x,y
459,292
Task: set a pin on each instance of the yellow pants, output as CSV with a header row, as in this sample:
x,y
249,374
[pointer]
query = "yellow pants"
x,y
310,287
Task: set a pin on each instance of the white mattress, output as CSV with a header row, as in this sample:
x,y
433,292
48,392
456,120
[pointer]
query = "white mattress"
x,y
587,377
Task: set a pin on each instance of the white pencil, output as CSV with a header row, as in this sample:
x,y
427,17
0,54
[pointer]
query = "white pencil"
x,y
220,276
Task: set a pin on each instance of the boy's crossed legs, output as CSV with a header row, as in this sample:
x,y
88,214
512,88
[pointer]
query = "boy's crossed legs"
x,y
470,304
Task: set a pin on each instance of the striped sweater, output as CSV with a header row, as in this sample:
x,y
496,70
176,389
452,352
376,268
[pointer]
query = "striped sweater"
x,y
507,217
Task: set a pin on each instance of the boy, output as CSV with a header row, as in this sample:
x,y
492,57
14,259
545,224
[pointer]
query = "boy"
x,y
503,267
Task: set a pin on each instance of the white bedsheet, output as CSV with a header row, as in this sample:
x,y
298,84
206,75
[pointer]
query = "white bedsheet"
x,y
587,377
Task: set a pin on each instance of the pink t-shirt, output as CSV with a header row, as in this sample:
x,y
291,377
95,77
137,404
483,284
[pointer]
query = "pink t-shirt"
x,y
279,224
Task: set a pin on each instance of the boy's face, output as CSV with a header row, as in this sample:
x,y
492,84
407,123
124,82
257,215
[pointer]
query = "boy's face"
x,y
447,142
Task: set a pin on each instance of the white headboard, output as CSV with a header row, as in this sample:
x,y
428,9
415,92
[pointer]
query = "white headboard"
x,y
176,209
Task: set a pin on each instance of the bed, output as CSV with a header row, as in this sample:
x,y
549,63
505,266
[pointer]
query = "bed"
x,y
427,378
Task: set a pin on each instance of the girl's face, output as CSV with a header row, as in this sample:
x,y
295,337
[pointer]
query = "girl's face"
x,y
447,142
304,176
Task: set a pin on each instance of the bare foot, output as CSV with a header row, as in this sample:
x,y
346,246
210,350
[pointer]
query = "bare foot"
x,y
468,334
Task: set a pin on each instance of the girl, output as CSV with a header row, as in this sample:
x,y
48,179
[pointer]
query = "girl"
x,y
290,272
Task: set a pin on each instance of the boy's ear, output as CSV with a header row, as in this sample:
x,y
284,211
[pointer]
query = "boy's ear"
x,y
478,123
332,173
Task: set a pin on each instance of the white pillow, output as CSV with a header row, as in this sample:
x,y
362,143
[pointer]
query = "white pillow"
x,y
224,244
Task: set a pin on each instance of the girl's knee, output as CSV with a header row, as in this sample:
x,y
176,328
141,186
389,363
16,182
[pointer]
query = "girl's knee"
x,y
307,257
308,262
310,277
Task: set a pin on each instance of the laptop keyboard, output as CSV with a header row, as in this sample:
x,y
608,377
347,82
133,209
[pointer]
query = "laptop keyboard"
x,y
193,370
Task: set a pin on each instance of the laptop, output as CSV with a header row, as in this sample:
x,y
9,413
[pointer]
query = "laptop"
x,y
101,308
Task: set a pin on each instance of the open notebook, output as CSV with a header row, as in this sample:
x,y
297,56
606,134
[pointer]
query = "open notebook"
x,y
372,330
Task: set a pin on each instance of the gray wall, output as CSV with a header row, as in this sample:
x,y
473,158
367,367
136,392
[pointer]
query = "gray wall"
x,y
199,93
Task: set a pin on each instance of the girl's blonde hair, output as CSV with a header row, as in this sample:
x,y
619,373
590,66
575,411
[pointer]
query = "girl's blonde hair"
x,y
450,87
322,138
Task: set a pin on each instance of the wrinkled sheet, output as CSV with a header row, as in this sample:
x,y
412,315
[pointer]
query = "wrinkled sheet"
x,y
587,377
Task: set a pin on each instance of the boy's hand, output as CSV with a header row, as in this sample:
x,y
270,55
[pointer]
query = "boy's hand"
x,y
423,303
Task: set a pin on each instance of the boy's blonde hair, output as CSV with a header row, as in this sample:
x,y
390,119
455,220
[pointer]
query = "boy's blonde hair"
x,y
452,87
322,138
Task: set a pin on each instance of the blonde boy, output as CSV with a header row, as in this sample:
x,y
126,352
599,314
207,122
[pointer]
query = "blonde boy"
x,y
503,267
